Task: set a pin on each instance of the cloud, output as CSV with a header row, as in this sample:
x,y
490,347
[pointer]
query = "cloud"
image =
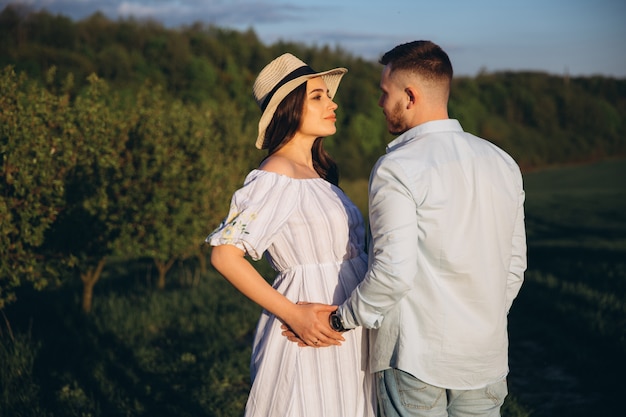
x,y
177,12
367,45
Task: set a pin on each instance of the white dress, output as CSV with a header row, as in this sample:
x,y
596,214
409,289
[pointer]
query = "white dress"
x,y
313,235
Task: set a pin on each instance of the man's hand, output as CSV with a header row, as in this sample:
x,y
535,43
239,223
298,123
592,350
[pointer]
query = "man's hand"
x,y
309,326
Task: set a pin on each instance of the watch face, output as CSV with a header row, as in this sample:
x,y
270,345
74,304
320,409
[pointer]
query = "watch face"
x,y
336,322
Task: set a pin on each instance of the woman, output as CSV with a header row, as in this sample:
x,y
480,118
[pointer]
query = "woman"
x,y
291,209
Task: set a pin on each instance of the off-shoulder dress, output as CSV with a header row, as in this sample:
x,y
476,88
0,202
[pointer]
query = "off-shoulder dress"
x,y
313,236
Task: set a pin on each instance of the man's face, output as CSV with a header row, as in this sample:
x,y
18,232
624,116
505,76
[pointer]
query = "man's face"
x,y
393,101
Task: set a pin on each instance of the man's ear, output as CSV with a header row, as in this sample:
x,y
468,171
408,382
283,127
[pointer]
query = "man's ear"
x,y
412,95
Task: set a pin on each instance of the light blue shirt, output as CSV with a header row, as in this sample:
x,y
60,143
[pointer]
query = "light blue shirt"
x,y
447,257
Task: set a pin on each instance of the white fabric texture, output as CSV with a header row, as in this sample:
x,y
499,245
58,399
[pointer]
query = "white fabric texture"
x,y
313,235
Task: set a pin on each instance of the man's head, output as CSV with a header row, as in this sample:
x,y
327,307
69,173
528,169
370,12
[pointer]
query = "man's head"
x,y
415,85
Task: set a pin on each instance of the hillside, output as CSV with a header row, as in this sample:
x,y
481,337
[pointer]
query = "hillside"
x,y
540,119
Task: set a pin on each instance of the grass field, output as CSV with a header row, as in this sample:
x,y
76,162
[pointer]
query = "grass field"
x,y
185,351
568,325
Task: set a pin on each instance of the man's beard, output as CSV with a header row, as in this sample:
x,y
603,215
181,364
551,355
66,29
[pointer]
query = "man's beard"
x,y
395,123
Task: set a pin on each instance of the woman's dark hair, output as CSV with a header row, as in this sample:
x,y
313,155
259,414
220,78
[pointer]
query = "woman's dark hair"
x,y
285,124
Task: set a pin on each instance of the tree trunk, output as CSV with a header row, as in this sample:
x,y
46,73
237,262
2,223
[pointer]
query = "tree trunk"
x,y
163,267
89,278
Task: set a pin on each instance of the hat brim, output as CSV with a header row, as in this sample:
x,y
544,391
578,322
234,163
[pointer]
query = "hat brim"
x,y
332,78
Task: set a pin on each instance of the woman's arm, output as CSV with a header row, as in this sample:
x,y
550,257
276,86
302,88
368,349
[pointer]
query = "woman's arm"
x,y
301,318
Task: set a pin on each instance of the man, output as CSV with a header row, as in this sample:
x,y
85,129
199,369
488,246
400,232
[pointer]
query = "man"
x,y
447,251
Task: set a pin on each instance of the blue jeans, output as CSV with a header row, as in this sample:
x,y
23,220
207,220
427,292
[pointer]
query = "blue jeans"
x,y
402,395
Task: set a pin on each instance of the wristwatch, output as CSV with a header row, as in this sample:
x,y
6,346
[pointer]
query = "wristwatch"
x,y
335,322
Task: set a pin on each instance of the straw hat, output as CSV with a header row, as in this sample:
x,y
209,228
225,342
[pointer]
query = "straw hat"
x,y
279,78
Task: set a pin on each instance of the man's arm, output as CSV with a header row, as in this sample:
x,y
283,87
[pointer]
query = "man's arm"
x,y
392,265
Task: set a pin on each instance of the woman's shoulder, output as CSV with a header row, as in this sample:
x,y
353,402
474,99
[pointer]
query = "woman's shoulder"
x,y
278,164
286,166
266,180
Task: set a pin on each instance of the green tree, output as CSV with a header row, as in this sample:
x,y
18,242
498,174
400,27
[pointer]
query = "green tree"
x,y
165,176
83,235
36,159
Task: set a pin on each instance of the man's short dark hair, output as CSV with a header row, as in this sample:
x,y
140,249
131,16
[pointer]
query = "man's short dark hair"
x,y
422,57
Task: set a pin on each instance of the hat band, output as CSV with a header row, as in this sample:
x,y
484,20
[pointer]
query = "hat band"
x,y
305,70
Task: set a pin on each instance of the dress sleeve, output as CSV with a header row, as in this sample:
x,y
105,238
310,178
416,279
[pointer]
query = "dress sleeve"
x,y
257,212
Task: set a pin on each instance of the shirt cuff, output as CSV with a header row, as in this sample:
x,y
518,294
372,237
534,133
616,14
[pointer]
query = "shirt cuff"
x,y
350,321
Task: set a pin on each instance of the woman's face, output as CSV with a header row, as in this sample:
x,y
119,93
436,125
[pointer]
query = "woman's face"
x,y
318,113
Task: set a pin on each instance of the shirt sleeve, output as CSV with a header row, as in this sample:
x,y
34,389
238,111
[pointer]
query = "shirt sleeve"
x,y
392,249
257,212
518,263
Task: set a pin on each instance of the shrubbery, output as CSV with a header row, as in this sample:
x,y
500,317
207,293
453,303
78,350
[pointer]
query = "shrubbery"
x,y
101,176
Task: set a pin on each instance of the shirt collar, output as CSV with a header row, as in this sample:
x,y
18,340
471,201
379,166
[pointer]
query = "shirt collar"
x,y
415,133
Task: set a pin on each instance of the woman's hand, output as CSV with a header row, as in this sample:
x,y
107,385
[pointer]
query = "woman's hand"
x,y
307,321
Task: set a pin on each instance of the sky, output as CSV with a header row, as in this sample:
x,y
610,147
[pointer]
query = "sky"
x,y
562,37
